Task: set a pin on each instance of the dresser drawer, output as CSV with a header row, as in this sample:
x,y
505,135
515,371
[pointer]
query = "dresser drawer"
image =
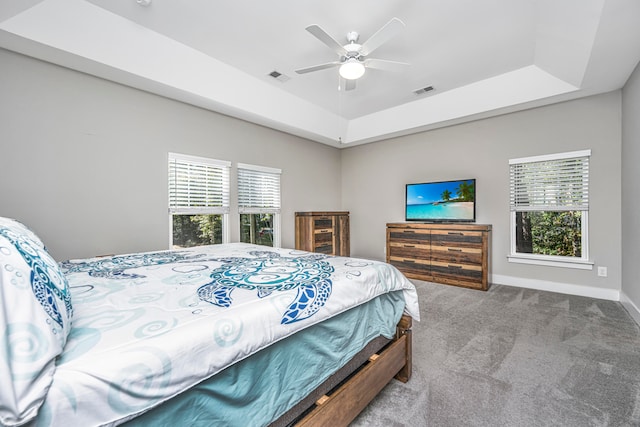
x,y
454,238
409,250
410,236
462,274
411,267
456,269
323,235
323,241
326,248
456,254
323,222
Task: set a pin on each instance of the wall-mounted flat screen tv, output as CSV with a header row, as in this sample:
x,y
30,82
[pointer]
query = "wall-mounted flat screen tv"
x,y
445,201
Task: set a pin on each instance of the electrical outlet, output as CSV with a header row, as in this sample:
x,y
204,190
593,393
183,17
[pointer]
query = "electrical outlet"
x,y
602,271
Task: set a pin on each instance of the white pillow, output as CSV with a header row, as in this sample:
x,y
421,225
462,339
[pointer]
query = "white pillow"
x,y
35,320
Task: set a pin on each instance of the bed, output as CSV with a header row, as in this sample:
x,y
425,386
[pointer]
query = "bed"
x,y
232,334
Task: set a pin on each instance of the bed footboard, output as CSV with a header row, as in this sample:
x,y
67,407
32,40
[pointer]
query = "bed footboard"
x,y
344,404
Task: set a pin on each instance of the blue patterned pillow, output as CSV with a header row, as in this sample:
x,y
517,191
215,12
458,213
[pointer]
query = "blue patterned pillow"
x,y
35,320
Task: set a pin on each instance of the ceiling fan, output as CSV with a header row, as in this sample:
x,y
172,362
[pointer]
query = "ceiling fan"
x,y
353,56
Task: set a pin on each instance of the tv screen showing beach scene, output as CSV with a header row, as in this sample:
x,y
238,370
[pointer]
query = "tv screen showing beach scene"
x,y
441,201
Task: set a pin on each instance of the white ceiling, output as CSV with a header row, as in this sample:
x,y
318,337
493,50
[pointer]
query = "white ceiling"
x,y
482,57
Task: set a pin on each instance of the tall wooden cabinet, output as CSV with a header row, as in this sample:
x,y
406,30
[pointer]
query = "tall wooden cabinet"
x,y
324,232
453,254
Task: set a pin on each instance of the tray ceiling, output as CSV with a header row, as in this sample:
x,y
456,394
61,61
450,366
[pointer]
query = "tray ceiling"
x,y
482,58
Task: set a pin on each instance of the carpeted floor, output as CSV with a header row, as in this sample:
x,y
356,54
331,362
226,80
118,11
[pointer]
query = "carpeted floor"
x,y
515,357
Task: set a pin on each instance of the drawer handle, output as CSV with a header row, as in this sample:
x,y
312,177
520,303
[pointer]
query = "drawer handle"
x,y
409,246
408,231
457,233
325,231
409,260
454,250
454,266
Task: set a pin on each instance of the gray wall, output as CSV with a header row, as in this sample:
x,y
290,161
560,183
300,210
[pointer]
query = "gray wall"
x,y
631,188
83,161
374,177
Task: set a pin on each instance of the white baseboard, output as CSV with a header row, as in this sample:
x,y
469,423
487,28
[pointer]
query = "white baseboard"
x,y
563,288
633,309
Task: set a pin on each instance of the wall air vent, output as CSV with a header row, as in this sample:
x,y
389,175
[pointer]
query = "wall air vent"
x,y
423,90
279,76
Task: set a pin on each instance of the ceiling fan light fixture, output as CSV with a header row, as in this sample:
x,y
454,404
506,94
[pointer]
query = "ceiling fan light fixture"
x,y
352,69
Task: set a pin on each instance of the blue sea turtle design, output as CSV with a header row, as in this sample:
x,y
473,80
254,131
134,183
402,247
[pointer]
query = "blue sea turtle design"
x,y
116,267
46,279
268,272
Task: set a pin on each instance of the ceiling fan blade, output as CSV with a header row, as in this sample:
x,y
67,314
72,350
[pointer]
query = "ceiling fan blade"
x,y
325,38
383,64
318,67
390,29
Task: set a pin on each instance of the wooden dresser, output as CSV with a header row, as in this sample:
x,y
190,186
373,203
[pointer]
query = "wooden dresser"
x,y
324,232
453,254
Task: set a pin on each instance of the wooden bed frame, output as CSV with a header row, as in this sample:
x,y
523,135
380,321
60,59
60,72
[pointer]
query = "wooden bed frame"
x,y
340,399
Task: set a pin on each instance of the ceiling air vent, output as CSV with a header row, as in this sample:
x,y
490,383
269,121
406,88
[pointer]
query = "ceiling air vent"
x,y
279,76
423,90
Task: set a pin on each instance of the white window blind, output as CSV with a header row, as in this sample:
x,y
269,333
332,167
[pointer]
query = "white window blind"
x,y
198,185
258,189
556,182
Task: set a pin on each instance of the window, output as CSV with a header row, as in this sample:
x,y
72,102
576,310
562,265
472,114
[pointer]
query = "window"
x,y
259,204
550,209
198,200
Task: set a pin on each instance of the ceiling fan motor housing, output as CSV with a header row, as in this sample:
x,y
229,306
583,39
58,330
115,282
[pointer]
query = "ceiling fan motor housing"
x,y
352,48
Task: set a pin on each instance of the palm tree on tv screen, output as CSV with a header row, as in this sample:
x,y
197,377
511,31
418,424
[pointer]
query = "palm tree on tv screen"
x,y
465,191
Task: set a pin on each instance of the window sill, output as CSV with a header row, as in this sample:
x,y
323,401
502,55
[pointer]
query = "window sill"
x,y
577,264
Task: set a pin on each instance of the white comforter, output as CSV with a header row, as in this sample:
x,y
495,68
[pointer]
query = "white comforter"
x,y
148,326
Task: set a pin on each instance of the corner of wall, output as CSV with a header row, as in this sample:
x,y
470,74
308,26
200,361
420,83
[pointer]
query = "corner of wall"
x,y
633,310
